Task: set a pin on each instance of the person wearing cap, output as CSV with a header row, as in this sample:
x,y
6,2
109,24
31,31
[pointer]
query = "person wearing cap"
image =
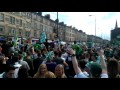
x,y
97,70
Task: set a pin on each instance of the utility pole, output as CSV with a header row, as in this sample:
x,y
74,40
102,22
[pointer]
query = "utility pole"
x,y
57,27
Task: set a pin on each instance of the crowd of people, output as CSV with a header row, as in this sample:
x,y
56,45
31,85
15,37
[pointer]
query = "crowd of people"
x,y
56,60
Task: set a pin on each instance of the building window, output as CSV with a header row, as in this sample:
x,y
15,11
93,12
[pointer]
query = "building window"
x,y
35,26
24,14
28,25
1,29
41,19
12,20
20,32
35,16
2,17
46,29
50,30
20,14
28,15
48,23
17,21
7,19
35,33
27,34
13,31
21,23
41,27
10,31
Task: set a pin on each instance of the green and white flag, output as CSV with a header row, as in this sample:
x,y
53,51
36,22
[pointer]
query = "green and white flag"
x,y
15,40
43,37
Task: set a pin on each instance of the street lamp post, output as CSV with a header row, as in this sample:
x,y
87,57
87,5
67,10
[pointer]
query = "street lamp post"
x,y
57,26
95,26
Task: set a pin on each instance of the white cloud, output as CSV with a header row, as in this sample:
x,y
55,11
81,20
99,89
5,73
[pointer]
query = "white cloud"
x,y
105,21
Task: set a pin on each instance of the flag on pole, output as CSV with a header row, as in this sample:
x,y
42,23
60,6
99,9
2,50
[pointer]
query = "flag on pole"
x,y
43,37
15,40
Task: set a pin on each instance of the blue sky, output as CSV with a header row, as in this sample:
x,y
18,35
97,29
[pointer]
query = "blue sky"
x,y
105,21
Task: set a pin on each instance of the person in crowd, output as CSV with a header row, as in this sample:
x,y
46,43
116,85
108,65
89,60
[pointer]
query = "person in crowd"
x,y
5,48
15,62
41,71
50,64
23,63
97,70
37,62
29,60
2,64
9,72
112,68
46,44
52,45
23,73
70,73
50,74
82,64
1,54
58,59
59,71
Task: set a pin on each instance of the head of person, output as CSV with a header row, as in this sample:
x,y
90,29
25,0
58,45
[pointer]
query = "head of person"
x,y
93,58
20,56
23,73
2,58
41,71
82,64
10,71
112,68
87,56
39,53
59,71
56,53
95,70
98,51
15,58
50,74
43,51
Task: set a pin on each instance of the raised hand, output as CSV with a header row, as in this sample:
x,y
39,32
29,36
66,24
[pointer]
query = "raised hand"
x,y
71,51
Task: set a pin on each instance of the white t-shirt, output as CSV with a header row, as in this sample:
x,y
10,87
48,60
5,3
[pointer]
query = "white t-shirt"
x,y
85,73
82,75
104,76
1,75
17,65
